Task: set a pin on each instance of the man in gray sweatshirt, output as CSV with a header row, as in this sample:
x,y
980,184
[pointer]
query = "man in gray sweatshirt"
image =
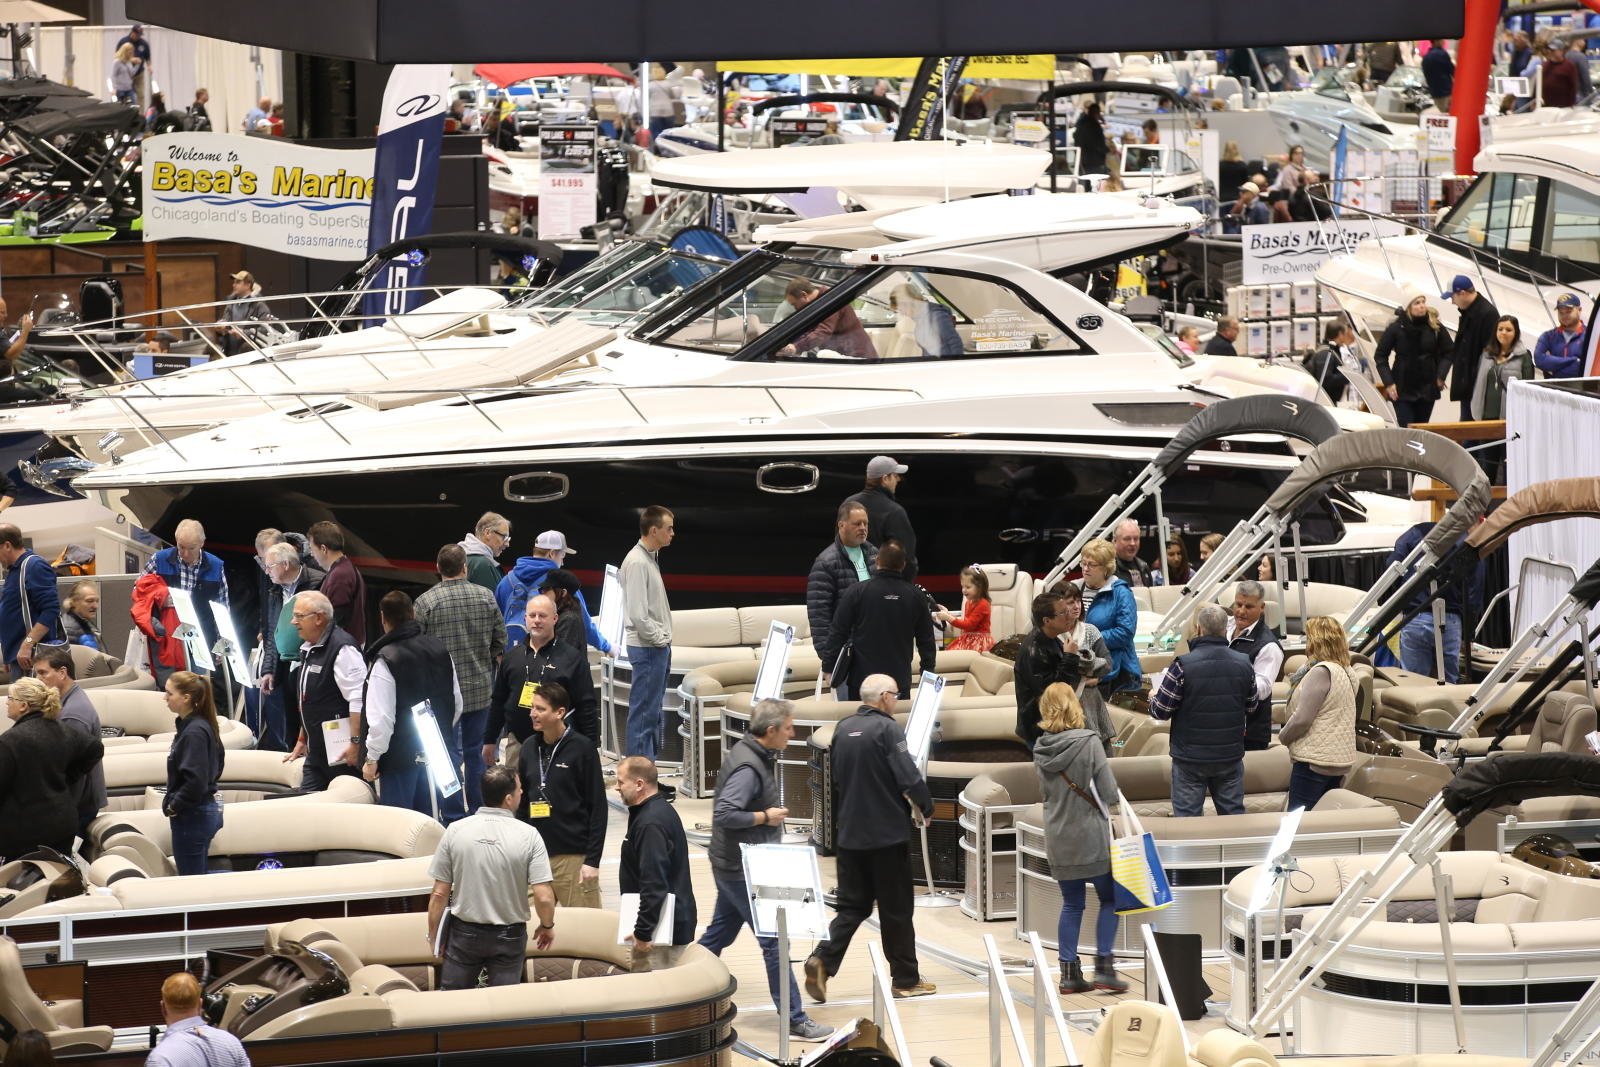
x,y
649,631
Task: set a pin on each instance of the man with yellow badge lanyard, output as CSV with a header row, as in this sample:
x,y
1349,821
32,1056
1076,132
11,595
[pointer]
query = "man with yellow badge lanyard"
x,y
564,795
533,662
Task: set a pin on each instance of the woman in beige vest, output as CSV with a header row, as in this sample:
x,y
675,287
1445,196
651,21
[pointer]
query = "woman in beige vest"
x,y
1321,731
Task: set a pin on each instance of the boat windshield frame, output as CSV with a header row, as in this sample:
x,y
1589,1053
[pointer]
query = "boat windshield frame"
x,y
853,282
568,303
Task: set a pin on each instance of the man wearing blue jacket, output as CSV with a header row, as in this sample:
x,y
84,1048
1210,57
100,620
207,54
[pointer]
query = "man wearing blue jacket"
x,y
527,577
29,602
1559,350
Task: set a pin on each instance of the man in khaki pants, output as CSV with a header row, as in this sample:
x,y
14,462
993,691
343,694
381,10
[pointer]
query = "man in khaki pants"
x,y
564,797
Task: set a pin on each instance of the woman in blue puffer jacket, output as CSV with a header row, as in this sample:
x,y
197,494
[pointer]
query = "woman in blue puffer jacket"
x,y
1113,612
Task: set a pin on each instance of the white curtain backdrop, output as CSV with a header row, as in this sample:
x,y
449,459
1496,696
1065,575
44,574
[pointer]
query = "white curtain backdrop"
x,y
1559,431
180,63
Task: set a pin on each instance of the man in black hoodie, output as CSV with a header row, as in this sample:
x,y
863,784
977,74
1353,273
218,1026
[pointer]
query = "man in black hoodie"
x,y
654,863
1474,330
883,618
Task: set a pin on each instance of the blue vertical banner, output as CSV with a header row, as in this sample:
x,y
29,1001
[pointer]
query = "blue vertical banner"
x,y
405,175
1341,150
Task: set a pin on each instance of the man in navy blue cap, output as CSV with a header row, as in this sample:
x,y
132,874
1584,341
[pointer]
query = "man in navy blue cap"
x,y
1474,331
1559,350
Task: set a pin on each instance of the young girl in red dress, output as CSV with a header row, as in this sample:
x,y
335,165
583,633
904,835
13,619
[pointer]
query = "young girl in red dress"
x,y
974,622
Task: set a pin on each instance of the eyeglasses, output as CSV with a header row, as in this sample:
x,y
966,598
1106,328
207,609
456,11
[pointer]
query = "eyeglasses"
x,y
303,614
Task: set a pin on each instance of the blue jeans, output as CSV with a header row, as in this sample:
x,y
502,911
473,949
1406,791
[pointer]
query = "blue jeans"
x,y
1105,923
406,786
1192,781
469,737
269,716
192,832
645,695
731,915
1306,786
1416,645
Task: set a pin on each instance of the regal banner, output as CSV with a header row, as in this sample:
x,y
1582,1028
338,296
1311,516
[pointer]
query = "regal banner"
x,y
260,191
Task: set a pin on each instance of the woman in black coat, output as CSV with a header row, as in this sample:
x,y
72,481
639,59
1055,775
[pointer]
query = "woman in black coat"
x,y
42,764
1090,138
194,768
1419,347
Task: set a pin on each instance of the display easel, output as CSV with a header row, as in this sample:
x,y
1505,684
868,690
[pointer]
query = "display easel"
x,y
189,630
230,654
1274,876
773,668
920,725
785,887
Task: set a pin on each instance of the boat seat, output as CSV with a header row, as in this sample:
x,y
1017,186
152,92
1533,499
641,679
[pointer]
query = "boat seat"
x,y
23,1010
507,368
94,669
1564,720
247,774
1137,1033
448,312
1011,591
144,718
305,835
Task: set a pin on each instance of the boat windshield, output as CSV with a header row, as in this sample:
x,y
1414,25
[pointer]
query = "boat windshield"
x,y
854,314
1330,82
627,282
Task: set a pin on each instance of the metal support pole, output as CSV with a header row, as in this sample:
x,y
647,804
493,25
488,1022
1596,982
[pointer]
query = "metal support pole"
x,y
885,1016
1438,634
1444,898
783,984
933,898
1001,1002
1161,537
1047,999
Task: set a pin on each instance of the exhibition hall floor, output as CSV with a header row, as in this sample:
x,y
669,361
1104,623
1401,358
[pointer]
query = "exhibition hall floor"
x,y
953,1024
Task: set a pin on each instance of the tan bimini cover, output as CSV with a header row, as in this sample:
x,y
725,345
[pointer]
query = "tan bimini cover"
x,y
1392,448
1559,498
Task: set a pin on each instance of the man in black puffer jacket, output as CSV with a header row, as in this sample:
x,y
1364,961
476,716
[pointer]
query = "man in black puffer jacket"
x,y
1207,694
882,618
844,563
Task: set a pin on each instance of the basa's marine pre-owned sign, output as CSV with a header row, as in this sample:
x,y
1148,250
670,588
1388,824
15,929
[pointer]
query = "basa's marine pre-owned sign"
x,y
260,191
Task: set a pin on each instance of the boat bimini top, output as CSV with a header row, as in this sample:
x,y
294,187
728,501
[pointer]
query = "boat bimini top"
x,y
1389,448
1264,413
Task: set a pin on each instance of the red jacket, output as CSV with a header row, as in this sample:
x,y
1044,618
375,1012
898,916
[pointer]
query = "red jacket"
x,y
152,607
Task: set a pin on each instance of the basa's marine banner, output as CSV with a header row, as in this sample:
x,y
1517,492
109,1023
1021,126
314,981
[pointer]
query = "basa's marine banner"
x,y
405,177
259,191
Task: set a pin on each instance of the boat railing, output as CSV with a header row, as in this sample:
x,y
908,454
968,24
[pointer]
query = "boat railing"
x,y
286,331
1490,267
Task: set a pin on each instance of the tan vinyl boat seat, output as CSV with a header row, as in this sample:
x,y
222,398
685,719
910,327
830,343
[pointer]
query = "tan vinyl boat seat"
x,y
94,669
318,834
247,774
507,368
395,975
1562,724
22,1009
144,718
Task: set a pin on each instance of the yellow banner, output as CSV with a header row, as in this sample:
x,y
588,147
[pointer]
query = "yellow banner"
x,y
1027,68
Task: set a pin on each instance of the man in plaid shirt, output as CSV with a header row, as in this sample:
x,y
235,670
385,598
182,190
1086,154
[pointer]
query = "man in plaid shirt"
x,y
465,617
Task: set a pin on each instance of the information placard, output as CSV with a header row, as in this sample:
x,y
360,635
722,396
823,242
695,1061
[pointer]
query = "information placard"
x,y
613,612
774,666
568,185
924,716
194,638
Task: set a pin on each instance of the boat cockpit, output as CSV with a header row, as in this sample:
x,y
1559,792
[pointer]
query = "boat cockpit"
x,y
1542,223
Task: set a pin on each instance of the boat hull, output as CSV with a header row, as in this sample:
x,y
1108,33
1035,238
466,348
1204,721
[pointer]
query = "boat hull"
x,y
749,525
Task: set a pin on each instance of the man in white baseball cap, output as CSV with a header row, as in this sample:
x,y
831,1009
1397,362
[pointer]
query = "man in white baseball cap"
x,y
888,519
550,551
552,544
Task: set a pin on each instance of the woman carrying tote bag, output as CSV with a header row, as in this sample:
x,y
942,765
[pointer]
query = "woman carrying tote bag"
x,y
1073,771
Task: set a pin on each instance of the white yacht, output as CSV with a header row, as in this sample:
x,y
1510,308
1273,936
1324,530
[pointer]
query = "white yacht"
x,y
478,327
1017,401
1525,232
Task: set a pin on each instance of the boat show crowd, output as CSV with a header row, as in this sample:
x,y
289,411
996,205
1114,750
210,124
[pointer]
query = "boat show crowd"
x,y
475,704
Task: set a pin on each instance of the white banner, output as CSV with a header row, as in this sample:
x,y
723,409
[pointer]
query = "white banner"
x,y
259,191
1294,251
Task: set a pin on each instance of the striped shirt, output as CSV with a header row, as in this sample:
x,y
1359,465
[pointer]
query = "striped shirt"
x,y
192,1043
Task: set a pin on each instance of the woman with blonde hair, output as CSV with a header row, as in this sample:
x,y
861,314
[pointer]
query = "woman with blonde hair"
x,y
124,69
1232,169
1321,731
194,769
42,764
1078,788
